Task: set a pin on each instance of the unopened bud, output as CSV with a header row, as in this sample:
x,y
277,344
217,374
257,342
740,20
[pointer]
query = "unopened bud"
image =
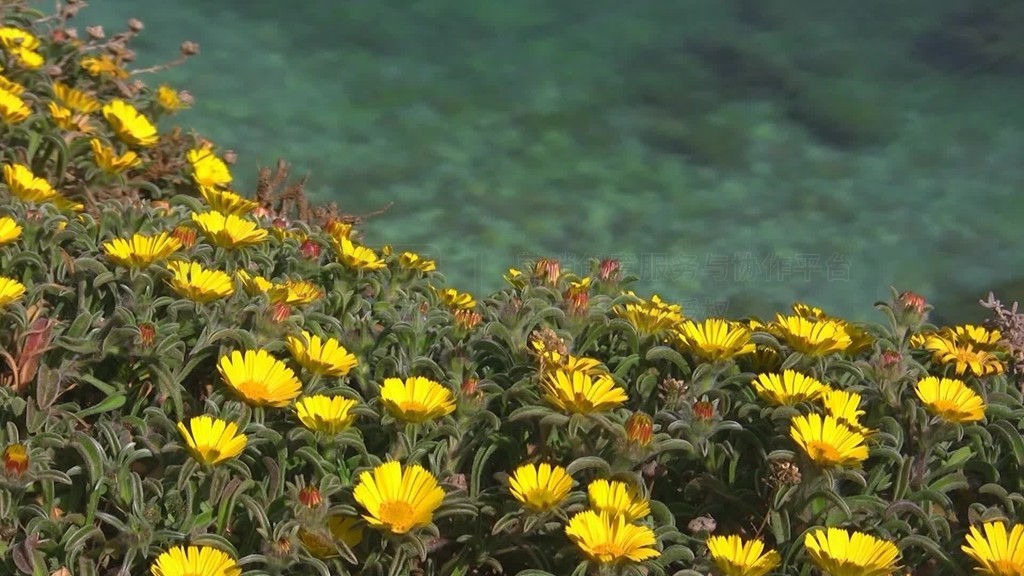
x,y
147,333
189,48
135,25
310,249
609,270
95,32
639,428
15,459
310,497
229,156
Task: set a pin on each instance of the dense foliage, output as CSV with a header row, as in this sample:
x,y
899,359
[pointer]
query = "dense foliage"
x,y
199,382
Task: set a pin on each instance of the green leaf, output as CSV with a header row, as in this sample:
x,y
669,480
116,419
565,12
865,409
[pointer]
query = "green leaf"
x,y
587,462
92,455
110,403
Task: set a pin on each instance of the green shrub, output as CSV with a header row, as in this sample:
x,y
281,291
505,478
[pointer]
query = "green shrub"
x,y
199,382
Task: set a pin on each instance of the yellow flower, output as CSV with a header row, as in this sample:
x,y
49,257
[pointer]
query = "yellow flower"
x,y
16,459
735,556
844,406
608,539
10,290
11,37
338,230
416,262
296,292
321,355
195,561
254,285
75,99
26,185
788,389
979,336
812,337
998,553
455,300
964,357
582,393
129,125
108,159
618,499
828,442
229,231
65,119
212,440
168,98
226,201
198,284
29,59
328,415
540,488
516,278
355,256
417,399
104,65
11,86
207,169
339,528
950,399
10,230
140,251
840,553
12,108
715,339
259,378
398,500
652,317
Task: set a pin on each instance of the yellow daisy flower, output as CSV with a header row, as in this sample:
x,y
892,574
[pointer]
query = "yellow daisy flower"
x,y
321,355
582,393
950,399
840,553
65,119
608,539
12,108
226,201
328,415
130,126
651,317
29,59
455,300
844,406
27,186
198,284
339,528
11,86
296,293
108,159
735,556
416,262
417,399
168,98
398,500
789,388
540,487
10,230
75,99
812,337
207,169
10,290
996,552
212,440
355,256
964,357
715,339
259,378
104,65
140,250
12,37
618,499
254,285
979,336
195,560
229,231
828,442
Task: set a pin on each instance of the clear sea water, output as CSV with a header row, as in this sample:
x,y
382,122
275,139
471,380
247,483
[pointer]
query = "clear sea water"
x,y
736,155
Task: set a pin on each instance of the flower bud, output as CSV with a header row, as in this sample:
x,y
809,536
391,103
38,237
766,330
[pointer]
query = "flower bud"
x,y
609,270
703,410
310,497
310,249
639,429
15,459
135,25
147,333
547,270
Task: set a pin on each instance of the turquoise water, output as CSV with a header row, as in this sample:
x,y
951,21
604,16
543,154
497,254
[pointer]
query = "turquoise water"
x,y
735,157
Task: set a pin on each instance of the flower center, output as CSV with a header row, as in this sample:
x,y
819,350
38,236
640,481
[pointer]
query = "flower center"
x,y
398,515
823,451
608,551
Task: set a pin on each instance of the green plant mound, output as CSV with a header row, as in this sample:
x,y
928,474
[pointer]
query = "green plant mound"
x,y
199,381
